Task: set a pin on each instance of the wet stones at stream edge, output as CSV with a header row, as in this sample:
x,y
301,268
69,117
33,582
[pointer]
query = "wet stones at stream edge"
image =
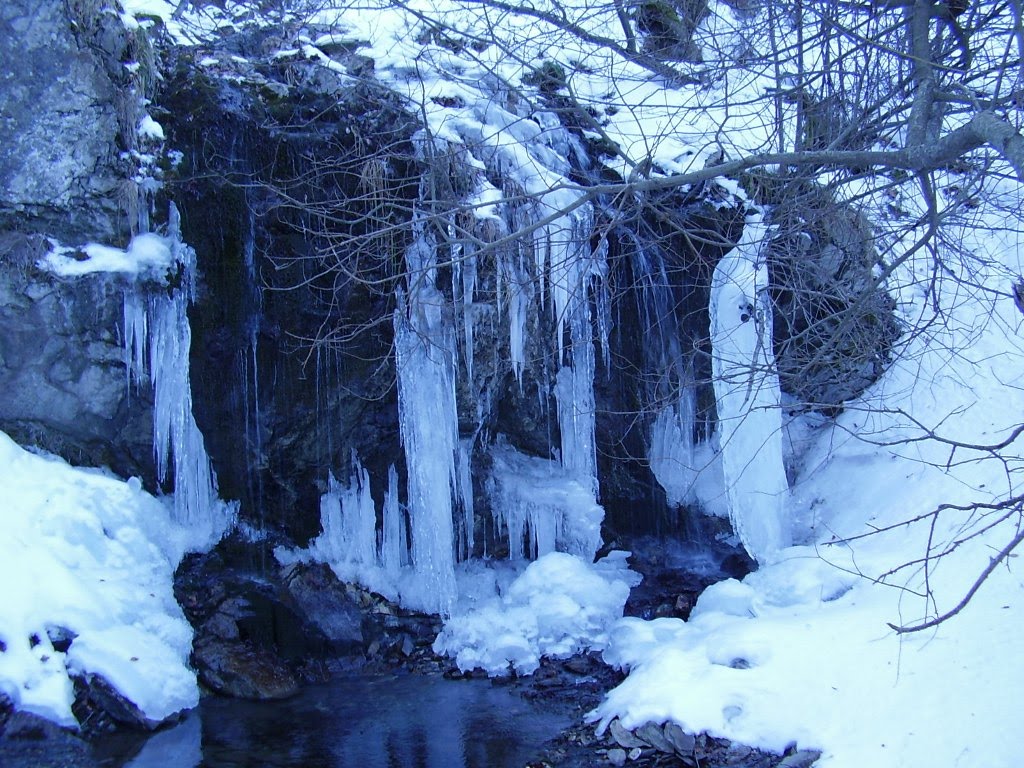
x,y
576,685
262,632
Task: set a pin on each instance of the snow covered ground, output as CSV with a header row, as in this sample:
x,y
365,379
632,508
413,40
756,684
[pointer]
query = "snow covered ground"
x,y
802,650
89,557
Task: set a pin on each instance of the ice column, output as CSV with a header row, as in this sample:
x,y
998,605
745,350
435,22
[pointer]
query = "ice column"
x,y
349,520
747,394
425,359
393,547
157,321
572,267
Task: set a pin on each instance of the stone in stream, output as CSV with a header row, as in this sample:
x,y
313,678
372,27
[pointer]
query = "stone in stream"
x,y
242,671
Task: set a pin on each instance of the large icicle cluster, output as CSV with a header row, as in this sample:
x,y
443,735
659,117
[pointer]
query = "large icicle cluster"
x,y
541,507
157,341
425,359
747,394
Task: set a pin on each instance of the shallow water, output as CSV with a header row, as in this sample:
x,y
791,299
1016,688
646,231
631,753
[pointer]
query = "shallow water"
x,y
406,721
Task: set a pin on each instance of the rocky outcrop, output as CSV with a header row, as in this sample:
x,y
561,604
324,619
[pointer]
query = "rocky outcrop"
x,y
262,630
68,114
64,111
834,327
62,370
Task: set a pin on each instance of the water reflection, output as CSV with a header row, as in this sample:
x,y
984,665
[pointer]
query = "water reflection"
x,y
382,722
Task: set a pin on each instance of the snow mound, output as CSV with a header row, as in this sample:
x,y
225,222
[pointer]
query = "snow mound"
x,y
558,607
89,557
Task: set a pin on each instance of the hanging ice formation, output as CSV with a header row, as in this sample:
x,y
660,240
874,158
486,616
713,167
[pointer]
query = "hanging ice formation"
x,y
571,269
684,468
747,395
425,360
551,268
156,322
541,507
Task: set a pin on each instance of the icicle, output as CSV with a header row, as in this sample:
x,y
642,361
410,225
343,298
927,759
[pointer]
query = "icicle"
x,y
394,551
572,270
747,396
429,426
520,299
469,276
542,506
158,321
465,488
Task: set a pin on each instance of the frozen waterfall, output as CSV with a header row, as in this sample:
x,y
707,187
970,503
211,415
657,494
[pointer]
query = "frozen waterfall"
x,y
748,398
425,359
156,321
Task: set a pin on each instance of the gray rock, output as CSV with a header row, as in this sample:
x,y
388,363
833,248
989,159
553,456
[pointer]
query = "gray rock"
x,y
242,671
62,370
617,756
803,758
95,693
653,735
623,737
682,742
324,602
59,116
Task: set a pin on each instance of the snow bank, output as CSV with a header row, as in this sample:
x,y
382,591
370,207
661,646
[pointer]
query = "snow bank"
x,y
92,557
802,651
558,607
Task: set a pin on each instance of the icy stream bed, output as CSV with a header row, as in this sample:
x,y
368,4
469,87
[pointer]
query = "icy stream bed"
x,y
371,722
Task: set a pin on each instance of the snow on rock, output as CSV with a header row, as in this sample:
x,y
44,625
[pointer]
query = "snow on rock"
x,y
150,129
748,398
558,607
147,256
88,556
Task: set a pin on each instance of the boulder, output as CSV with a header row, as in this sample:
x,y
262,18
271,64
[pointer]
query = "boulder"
x,y
242,670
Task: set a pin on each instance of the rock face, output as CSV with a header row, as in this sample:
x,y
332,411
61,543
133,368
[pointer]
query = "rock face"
x,y
59,165
292,362
62,367
67,113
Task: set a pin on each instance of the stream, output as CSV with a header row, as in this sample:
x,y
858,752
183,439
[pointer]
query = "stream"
x,y
393,721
